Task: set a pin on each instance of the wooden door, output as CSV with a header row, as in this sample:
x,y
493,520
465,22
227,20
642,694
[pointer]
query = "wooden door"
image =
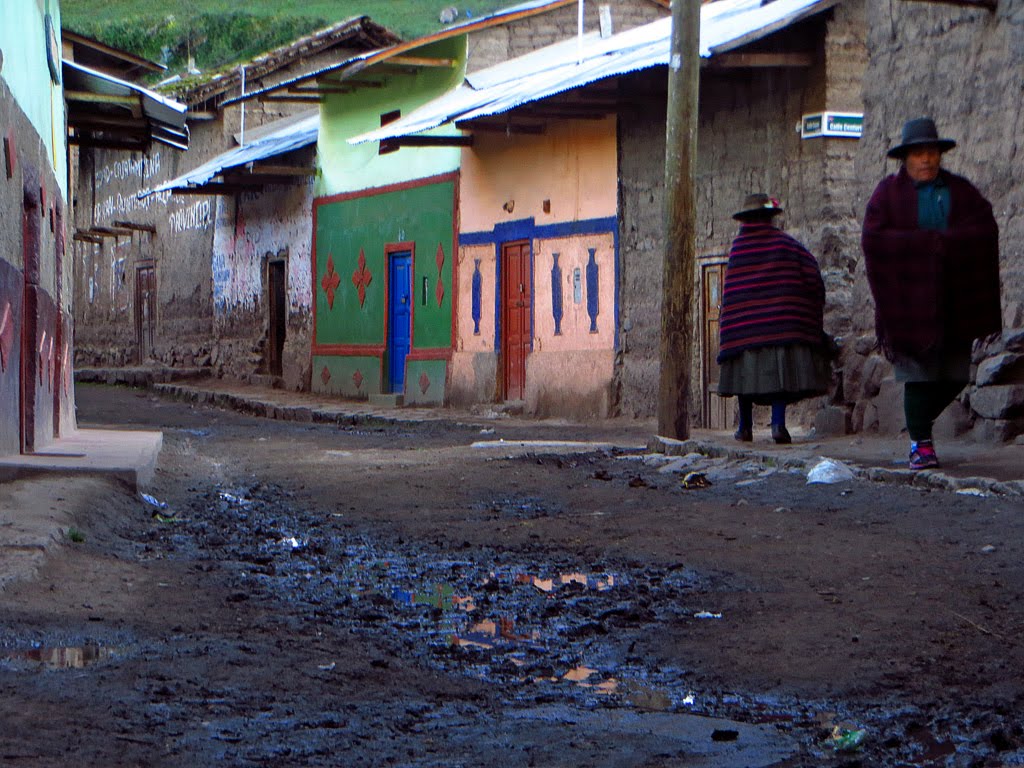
x,y
399,318
715,410
516,331
277,314
145,311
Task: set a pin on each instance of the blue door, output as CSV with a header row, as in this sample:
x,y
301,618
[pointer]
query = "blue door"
x,y
399,318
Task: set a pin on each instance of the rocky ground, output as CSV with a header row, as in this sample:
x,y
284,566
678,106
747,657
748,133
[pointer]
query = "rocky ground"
x,y
426,595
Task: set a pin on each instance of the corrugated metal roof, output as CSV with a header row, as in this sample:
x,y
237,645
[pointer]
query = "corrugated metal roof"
x,y
165,117
725,24
296,134
357,63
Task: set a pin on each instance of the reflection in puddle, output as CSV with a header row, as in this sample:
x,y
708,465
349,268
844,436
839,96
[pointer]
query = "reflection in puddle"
x,y
62,656
488,634
600,583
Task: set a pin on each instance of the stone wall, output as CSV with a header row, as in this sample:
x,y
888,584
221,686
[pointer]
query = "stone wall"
x,y
747,141
36,307
963,67
501,43
192,330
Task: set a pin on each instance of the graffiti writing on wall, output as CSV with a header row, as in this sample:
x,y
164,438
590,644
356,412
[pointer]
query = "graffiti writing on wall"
x,y
142,168
245,233
196,216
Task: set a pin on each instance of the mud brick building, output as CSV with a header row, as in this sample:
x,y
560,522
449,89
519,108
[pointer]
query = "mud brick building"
x,y
963,64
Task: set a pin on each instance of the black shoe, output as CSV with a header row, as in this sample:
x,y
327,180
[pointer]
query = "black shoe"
x,y
744,435
781,435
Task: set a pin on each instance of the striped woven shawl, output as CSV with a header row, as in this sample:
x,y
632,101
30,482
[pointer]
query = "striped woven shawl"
x,y
773,293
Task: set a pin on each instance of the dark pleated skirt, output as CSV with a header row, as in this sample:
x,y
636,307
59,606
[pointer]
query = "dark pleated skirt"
x,y
768,374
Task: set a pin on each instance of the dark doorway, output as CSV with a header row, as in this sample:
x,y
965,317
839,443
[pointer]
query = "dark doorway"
x,y
145,310
277,315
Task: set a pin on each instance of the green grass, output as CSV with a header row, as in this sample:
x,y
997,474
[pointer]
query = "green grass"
x,y
74,535
223,32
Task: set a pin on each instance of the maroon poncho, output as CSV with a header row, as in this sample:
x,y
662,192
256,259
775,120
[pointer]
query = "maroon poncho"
x,y
773,293
932,288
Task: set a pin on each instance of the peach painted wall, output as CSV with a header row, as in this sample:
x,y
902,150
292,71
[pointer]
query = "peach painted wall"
x,y
574,165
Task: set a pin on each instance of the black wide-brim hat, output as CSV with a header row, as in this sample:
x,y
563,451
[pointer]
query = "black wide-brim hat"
x,y
918,132
758,204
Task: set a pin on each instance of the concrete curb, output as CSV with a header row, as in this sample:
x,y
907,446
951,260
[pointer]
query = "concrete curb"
x,y
343,414
933,479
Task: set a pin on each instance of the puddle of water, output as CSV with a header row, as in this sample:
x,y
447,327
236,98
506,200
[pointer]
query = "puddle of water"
x,y
597,583
490,634
63,656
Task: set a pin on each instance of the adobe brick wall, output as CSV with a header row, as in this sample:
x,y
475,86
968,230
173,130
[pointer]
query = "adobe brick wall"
x,y
965,68
498,44
747,141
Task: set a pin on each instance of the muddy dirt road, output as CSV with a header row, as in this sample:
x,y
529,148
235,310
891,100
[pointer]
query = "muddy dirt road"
x,y
312,595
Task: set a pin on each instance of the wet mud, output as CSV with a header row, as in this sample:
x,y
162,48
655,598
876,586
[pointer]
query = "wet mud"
x,y
425,595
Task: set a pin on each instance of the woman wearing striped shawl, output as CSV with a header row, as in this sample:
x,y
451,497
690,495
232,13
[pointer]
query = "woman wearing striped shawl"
x,y
771,337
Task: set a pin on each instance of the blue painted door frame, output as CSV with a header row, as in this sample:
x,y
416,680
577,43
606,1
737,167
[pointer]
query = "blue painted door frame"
x,y
399,317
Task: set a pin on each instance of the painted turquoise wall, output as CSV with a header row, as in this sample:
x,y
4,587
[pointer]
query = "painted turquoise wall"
x,y
349,168
23,42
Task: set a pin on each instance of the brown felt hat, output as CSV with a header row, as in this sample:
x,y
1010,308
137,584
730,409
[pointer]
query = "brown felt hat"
x,y
917,132
757,205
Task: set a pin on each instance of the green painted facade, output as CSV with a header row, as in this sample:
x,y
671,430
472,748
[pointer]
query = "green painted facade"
x,y
354,234
345,167
23,40
370,205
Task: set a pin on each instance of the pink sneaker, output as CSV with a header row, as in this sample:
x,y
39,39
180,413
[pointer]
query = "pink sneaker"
x,y
922,455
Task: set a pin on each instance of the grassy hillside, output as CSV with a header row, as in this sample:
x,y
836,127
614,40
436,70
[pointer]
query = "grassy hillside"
x,y
220,32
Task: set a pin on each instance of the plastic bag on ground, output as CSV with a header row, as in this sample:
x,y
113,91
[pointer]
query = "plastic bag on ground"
x,y
829,471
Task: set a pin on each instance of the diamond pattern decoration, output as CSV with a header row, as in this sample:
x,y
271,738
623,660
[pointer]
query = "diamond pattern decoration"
x,y
330,281
361,277
357,379
439,288
424,382
6,335
325,375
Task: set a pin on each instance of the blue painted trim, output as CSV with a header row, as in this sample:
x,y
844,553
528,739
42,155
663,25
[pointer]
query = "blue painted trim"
x,y
592,304
527,229
556,293
478,280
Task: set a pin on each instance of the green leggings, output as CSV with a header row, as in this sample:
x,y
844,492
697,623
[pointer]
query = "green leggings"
x,y
923,401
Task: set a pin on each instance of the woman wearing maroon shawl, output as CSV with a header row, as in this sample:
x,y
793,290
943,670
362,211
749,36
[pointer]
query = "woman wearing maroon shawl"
x,y
931,249
771,342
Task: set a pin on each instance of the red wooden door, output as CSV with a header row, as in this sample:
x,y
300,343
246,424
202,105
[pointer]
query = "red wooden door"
x,y
515,318
716,410
145,311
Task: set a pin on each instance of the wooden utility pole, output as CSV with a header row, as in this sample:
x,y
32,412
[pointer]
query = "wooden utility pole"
x,y
680,222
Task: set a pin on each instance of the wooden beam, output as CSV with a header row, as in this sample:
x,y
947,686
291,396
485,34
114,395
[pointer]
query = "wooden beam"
x,y
86,141
989,5
98,121
83,237
320,89
250,182
508,129
211,189
429,141
202,115
280,170
137,227
303,99
101,98
110,231
419,61
751,60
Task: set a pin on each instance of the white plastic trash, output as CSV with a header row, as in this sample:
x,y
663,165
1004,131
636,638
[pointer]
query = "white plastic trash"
x,y
829,471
